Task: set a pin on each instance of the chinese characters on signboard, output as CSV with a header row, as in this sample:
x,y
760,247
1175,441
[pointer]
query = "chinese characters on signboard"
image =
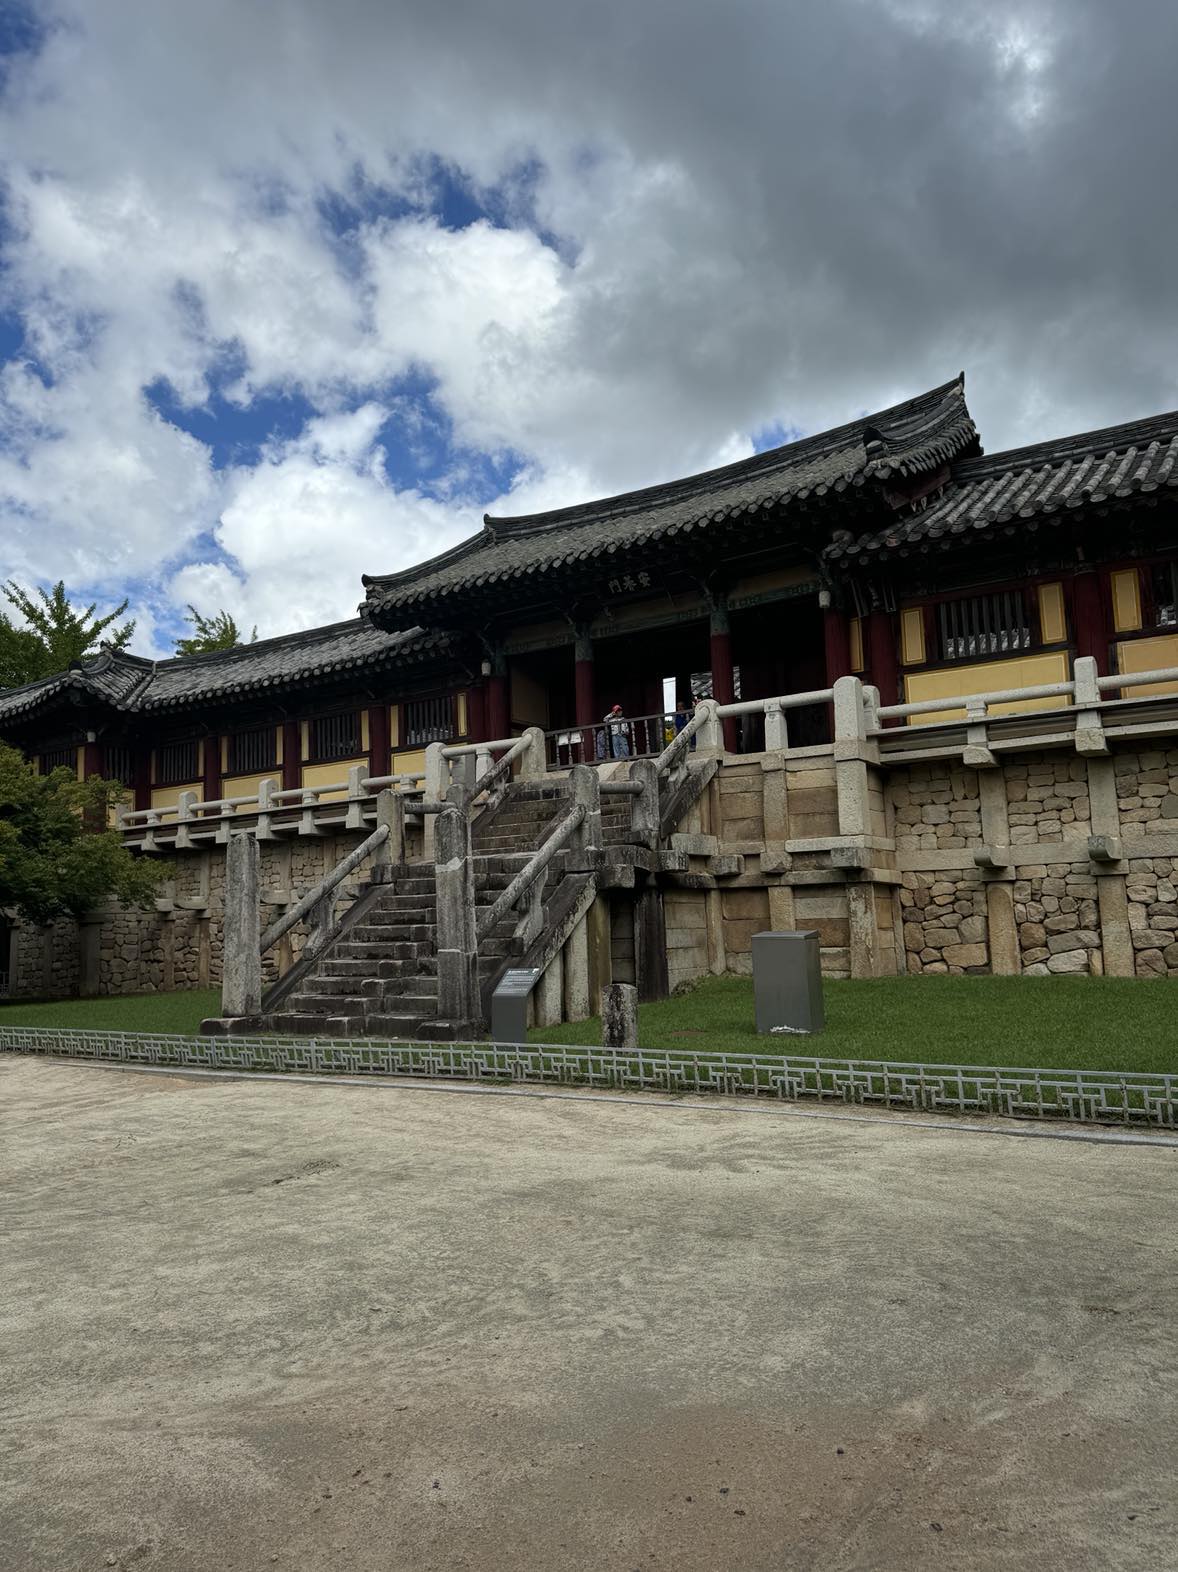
x,y
628,583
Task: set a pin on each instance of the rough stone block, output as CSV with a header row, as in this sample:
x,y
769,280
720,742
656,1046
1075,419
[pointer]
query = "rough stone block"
x,y
966,955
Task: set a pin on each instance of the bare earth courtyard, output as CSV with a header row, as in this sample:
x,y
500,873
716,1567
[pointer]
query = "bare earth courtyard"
x,y
259,1324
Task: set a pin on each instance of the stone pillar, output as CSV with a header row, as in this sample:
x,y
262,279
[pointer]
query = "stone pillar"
x,y
454,883
619,1017
89,956
241,967
1116,939
1090,618
1005,957
862,929
650,944
576,973
850,757
549,993
597,930
292,755
836,634
881,655
723,679
378,739
585,689
644,810
586,784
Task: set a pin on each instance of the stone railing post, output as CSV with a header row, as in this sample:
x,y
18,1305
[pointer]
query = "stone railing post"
x,y
532,762
1090,738
354,815
241,985
710,736
390,810
184,817
644,809
586,784
850,756
437,781
776,727
454,883
266,790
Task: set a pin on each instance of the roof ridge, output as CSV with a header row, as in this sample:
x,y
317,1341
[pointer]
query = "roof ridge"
x,y
1102,439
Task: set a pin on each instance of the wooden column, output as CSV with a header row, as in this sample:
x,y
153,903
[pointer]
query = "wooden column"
x,y
292,755
93,761
1090,618
881,655
476,713
720,649
585,691
211,783
378,739
498,701
143,775
836,633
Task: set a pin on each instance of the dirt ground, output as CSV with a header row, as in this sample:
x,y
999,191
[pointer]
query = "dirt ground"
x,y
246,1325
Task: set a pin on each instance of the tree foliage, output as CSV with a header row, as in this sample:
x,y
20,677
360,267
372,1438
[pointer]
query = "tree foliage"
x,y
51,863
218,632
53,634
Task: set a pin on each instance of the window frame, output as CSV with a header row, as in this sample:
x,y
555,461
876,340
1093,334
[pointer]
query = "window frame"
x,y
314,756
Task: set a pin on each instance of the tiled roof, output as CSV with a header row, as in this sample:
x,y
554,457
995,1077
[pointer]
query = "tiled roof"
x,y
1046,481
911,438
135,685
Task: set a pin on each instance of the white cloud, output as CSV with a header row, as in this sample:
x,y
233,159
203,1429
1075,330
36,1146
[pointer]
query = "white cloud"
x,y
763,213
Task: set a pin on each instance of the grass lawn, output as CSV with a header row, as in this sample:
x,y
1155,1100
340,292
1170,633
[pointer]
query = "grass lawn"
x,y
1090,1023
1094,1023
149,1012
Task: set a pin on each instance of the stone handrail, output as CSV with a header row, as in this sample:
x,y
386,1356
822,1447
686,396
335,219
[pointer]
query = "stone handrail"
x,y
282,925
705,715
526,878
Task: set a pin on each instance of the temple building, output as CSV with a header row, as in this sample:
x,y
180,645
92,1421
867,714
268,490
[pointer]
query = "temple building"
x,y
892,549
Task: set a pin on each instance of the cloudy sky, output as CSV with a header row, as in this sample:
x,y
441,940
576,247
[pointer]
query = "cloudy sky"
x,y
290,291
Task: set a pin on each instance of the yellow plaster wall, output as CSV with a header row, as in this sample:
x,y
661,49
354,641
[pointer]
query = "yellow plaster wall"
x,y
1024,671
323,774
409,761
169,796
1053,625
1126,588
1148,655
248,785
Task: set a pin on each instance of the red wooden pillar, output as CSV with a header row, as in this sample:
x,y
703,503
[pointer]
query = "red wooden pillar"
x,y
211,782
723,684
881,655
498,703
836,633
93,762
476,713
378,739
1090,617
585,692
143,775
292,755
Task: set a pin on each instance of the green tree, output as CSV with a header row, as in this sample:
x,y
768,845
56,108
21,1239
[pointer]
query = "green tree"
x,y
219,632
53,633
51,864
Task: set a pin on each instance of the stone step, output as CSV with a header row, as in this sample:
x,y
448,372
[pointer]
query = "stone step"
x,y
381,939
321,1004
302,1025
398,988
396,1025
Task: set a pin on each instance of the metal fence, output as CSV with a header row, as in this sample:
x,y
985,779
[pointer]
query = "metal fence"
x,y
1090,1096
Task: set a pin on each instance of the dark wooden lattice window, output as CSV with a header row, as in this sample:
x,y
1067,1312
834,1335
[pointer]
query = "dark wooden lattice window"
x,y
178,763
59,759
429,720
335,737
251,751
119,764
984,625
1163,595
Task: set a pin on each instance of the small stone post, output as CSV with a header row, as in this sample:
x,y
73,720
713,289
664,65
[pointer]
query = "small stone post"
x,y
619,1016
453,880
644,811
532,761
390,810
586,784
776,727
241,984
437,780
710,736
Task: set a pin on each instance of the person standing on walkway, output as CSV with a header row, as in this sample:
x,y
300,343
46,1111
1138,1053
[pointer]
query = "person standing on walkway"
x,y
618,730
